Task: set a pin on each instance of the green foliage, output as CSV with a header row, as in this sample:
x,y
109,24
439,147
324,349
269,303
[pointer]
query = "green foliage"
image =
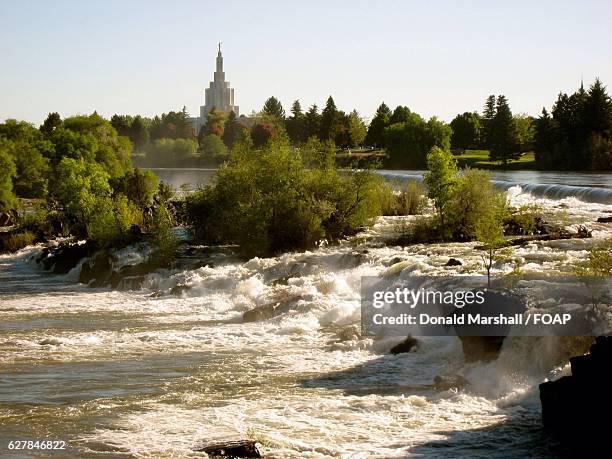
x,y
578,135
440,180
401,114
502,135
161,235
296,124
165,192
109,219
7,172
273,108
409,201
233,133
317,154
168,152
17,241
330,122
524,130
137,185
312,122
267,202
357,129
409,142
172,125
474,200
213,149
488,227
77,185
596,270
376,131
467,129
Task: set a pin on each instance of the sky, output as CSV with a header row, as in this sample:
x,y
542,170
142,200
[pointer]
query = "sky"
x,y
439,58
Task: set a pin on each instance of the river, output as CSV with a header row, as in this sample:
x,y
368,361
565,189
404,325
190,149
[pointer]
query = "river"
x,y
152,372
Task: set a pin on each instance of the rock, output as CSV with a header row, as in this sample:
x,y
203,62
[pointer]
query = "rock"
x,y
405,346
477,347
98,268
270,310
574,408
604,220
231,449
64,257
5,219
450,382
453,262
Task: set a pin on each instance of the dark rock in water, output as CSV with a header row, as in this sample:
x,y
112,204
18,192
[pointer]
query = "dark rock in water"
x,y
574,408
481,348
453,262
450,382
484,344
405,346
98,268
270,310
393,261
65,256
231,449
599,220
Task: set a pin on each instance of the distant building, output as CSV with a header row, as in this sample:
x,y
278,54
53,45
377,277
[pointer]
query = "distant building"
x,y
218,95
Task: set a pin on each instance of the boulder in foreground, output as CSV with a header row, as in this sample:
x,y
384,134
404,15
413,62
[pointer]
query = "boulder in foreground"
x,y
231,449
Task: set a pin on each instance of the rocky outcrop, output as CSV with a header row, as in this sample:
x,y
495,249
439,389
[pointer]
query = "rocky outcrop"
x,y
604,220
575,408
65,256
231,449
453,262
484,344
405,346
270,310
450,382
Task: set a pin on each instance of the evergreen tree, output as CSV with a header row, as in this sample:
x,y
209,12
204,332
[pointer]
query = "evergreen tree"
x,y
233,131
598,110
295,124
52,122
329,127
487,116
376,131
312,122
503,138
274,108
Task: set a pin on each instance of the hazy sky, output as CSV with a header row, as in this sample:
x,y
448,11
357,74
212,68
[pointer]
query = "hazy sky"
x,y
437,57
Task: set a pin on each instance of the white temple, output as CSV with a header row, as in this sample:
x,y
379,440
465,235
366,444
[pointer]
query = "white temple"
x,y
218,95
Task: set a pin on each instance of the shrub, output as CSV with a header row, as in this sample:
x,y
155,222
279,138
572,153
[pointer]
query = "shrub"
x,y
7,172
409,201
16,241
267,201
161,235
110,219
474,198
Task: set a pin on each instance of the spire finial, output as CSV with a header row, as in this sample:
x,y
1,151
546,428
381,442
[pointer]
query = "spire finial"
x,y
220,47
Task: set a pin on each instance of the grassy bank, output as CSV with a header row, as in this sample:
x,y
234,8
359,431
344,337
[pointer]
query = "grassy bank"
x,y
479,159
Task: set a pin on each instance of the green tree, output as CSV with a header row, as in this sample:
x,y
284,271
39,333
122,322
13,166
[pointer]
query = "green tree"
x,y
466,131
137,185
409,142
312,122
296,124
329,121
487,116
215,124
261,133
213,149
376,131
7,172
503,137
51,123
489,229
233,132
273,108
441,180
357,129
400,115
525,131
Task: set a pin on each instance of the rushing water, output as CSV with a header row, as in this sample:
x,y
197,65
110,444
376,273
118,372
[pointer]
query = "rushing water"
x,y
151,373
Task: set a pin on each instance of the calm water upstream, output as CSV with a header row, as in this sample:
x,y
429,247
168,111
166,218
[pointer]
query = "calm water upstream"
x,y
151,373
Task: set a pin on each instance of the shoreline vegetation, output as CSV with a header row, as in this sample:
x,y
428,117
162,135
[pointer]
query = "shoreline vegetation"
x,y
280,185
